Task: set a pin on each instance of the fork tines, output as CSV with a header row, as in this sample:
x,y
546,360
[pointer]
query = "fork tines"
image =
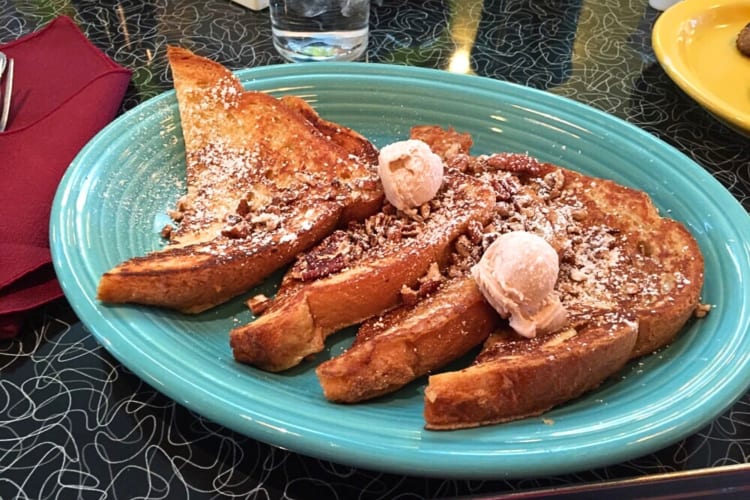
x,y
6,63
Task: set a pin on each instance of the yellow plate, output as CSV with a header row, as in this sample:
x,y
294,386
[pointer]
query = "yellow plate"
x,y
695,43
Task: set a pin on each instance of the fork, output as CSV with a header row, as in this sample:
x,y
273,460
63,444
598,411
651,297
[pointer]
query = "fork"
x,y
5,62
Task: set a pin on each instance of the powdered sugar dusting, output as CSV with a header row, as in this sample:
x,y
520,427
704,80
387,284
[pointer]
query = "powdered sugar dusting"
x,y
250,162
601,267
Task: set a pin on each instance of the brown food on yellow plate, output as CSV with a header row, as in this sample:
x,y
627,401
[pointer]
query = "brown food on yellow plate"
x,y
743,41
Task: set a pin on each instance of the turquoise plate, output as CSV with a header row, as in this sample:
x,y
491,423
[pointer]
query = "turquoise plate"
x,y
113,200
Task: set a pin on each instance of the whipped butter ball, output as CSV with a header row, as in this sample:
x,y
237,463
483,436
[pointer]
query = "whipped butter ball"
x,y
517,276
411,173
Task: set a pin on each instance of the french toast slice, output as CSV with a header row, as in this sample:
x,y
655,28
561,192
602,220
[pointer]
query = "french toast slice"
x,y
359,272
515,377
629,278
266,179
393,349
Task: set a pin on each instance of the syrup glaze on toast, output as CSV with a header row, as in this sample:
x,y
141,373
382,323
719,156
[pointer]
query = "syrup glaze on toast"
x,y
266,179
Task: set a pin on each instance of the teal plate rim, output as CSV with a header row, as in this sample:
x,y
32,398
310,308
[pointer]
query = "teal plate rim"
x,y
102,213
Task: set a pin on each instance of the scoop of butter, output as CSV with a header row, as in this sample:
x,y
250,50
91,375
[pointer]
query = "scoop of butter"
x,y
517,276
411,173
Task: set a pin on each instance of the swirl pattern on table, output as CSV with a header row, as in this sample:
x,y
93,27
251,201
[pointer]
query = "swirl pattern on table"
x,y
135,442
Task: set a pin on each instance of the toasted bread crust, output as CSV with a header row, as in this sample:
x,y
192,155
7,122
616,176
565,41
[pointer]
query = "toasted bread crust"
x,y
508,386
266,179
393,350
365,287
194,278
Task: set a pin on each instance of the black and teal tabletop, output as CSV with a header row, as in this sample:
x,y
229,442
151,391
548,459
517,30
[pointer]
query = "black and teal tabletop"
x,y
79,418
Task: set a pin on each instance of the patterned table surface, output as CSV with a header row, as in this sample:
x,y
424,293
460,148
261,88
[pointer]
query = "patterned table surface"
x,y
76,423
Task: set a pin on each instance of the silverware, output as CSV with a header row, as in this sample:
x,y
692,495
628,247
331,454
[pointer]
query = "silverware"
x,y
5,62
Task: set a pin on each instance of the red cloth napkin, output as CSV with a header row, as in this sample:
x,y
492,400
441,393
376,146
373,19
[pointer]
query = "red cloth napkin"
x,y
64,91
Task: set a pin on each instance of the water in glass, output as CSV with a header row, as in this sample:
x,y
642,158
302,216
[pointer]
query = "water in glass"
x,y
320,30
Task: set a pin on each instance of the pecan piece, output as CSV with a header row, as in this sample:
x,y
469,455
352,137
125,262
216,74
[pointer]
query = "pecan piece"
x,y
258,304
320,268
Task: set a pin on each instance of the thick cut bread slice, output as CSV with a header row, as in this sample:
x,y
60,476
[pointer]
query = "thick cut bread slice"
x,y
517,377
266,179
196,277
391,351
656,268
360,272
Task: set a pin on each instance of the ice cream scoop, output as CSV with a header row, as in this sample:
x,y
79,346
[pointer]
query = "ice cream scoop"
x,y
411,173
517,276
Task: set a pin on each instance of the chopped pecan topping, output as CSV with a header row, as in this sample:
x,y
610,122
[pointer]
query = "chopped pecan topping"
x,y
475,232
702,310
515,163
368,184
236,231
258,304
243,208
424,211
317,268
285,197
463,245
409,296
430,281
176,215
426,285
463,163
182,204
331,256
267,221
554,182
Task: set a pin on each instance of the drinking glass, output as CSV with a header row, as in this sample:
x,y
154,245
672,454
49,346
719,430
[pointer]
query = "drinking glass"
x,y
320,30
